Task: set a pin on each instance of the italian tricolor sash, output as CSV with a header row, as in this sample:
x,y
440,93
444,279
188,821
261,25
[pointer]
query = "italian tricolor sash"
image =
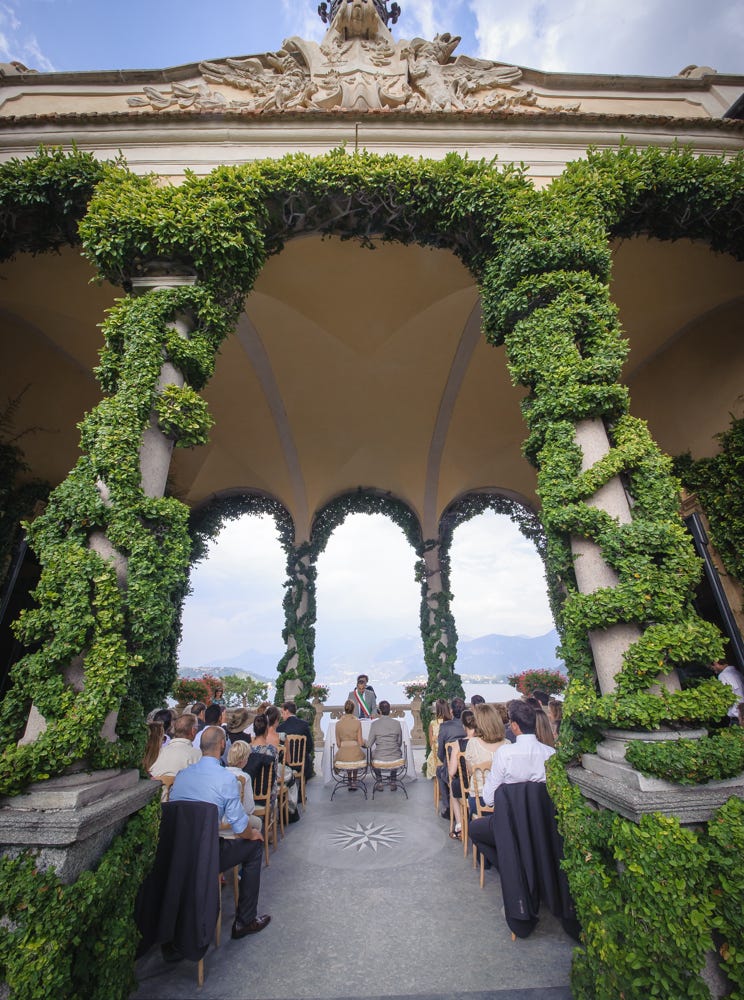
x,y
362,704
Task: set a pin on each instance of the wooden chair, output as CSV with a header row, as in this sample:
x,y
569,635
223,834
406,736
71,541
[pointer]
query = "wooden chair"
x,y
227,833
295,751
167,782
262,783
477,778
282,799
453,746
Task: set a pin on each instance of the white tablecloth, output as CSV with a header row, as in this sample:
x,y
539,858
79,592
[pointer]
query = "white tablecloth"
x,y
330,741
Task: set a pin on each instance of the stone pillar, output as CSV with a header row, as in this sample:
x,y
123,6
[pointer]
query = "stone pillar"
x,y
73,818
593,573
299,582
435,594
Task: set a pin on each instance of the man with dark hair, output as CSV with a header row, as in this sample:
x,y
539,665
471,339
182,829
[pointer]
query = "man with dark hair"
x,y
477,699
198,709
523,760
542,696
213,716
364,698
451,729
385,742
207,781
293,725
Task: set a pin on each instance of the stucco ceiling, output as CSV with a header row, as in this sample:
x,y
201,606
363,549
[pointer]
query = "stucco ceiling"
x,y
353,367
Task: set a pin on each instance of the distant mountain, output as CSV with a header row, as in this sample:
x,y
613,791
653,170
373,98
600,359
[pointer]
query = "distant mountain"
x,y
491,656
487,656
261,666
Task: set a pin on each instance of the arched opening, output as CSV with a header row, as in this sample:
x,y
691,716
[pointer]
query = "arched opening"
x,y
232,618
500,605
368,609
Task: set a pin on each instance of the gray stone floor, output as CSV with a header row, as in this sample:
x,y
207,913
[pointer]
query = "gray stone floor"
x,y
371,900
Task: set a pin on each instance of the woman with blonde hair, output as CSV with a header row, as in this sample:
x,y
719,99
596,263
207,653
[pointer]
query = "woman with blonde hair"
x,y
442,713
237,758
489,737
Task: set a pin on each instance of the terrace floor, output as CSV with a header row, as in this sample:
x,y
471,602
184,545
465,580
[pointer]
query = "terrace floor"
x,y
370,900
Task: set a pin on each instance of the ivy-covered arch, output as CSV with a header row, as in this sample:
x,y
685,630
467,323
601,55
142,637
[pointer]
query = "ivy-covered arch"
x,y
542,260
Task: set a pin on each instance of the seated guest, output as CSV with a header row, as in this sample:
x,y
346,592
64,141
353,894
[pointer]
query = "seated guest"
x,y
154,744
523,760
294,726
349,741
450,730
555,715
207,781
442,713
543,729
385,742
364,698
180,752
477,699
213,716
260,747
167,718
237,758
198,709
237,723
455,770
275,739
489,737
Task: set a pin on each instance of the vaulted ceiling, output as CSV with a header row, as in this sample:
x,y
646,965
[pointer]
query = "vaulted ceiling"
x,y
355,367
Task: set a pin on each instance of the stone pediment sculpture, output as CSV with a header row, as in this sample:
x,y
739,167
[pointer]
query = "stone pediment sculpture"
x,y
358,66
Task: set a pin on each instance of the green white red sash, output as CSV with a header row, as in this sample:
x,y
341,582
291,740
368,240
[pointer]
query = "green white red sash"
x,y
362,704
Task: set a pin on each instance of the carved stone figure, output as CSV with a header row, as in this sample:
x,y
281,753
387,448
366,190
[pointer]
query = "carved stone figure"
x,y
358,66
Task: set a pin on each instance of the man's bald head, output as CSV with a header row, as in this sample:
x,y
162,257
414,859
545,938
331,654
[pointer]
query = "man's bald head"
x,y
212,741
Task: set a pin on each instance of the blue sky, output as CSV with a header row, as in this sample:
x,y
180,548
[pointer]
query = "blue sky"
x,y
497,577
650,37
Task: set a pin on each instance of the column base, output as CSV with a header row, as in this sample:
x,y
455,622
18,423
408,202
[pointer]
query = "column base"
x,y
617,786
71,821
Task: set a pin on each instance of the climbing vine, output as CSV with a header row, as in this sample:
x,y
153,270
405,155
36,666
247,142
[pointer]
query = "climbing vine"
x,y
543,262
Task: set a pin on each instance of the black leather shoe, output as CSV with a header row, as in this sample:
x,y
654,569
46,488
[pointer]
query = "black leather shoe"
x,y
170,953
241,930
445,814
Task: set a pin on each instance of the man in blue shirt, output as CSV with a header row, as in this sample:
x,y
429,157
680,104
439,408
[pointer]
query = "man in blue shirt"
x,y
208,781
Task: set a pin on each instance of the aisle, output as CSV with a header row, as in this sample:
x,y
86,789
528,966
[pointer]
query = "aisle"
x,y
373,900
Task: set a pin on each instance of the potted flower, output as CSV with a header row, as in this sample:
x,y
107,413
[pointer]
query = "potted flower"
x,y
319,692
415,690
549,681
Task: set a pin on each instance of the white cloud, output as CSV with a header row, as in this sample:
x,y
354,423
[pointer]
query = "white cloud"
x,y
18,44
428,18
647,37
497,579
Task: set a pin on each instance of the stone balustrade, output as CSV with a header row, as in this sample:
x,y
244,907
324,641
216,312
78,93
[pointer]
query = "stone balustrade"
x,y
397,711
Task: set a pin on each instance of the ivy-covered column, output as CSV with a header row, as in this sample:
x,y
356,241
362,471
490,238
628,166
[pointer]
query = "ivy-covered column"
x,y
438,630
296,669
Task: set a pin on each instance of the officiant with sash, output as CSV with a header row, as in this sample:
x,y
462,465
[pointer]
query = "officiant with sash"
x,y
363,697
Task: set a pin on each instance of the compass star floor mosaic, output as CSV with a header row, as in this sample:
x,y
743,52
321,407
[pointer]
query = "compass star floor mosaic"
x,y
371,899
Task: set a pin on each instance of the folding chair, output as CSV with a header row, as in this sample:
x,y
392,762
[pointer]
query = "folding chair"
x,y
383,772
341,770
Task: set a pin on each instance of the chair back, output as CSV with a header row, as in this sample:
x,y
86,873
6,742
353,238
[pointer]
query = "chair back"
x,y
167,782
295,749
262,778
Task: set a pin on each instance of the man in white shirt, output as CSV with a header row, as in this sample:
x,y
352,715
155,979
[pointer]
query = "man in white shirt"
x,y
523,760
731,676
180,752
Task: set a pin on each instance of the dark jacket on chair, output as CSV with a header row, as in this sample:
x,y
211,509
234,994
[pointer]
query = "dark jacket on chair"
x,y
528,853
179,901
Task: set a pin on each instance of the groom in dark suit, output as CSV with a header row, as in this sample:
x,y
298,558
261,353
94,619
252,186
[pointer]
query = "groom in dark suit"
x,y
295,726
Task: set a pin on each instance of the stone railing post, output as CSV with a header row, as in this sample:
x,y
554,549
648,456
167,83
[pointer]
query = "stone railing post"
x,y
318,737
418,736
